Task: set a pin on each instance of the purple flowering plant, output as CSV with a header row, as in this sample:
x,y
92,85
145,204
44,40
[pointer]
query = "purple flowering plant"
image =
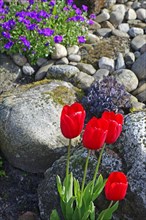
x,y
34,27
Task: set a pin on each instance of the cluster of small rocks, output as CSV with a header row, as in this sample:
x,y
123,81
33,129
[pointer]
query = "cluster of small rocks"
x,y
123,19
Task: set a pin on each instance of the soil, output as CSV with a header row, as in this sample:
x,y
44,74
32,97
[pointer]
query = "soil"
x,y
18,192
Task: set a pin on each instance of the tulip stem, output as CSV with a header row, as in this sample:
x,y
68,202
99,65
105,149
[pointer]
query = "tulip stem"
x,y
102,218
97,167
68,157
84,177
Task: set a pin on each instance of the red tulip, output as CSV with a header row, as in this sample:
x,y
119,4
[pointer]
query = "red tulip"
x,y
115,126
72,120
95,133
116,186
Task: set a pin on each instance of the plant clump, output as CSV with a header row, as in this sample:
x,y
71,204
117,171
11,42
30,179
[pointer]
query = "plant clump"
x,y
108,95
32,28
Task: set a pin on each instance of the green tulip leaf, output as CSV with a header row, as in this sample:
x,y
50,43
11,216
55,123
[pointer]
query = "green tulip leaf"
x,y
61,189
98,188
68,185
90,211
69,208
87,194
54,215
92,214
77,191
63,207
107,213
76,214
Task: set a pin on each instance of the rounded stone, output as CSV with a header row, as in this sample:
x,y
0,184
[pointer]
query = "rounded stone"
x,y
59,52
138,42
127,78
139,67
20,60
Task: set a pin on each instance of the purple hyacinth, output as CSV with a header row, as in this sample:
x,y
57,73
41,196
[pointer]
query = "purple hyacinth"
x,y
81,39
8,45
25,41
58,39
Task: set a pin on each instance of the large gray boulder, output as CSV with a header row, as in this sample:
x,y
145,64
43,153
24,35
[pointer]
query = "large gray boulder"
x,y
30,136
132,148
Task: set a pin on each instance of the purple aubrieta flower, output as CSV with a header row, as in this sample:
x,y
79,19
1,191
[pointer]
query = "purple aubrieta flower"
x,y
65,9
93,16
46,32
78,11
58,39
43,14
90,22
8,25
69,2
25,41
52,2
1,3
74,6
81,39
31,2
6,35
31,27
85,8
8,45
76,18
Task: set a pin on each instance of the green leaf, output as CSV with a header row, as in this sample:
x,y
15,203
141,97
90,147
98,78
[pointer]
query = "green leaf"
x,y
87,194
92,214
98,188
54,12
68,186
77,191
69,208
54,215
60,188
89,212
107,213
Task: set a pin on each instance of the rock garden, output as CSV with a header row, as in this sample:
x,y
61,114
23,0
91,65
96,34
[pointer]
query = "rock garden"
x,y
55,53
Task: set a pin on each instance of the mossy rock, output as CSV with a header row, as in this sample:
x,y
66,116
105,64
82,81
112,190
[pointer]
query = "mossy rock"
x,y
106,47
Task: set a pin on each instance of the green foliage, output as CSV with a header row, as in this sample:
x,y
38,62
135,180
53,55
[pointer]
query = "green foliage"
x,y
107,213
31,22
76,205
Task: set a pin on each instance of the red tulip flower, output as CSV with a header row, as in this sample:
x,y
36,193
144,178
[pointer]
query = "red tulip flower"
x,y
116,186
95,133
115,126
72,120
